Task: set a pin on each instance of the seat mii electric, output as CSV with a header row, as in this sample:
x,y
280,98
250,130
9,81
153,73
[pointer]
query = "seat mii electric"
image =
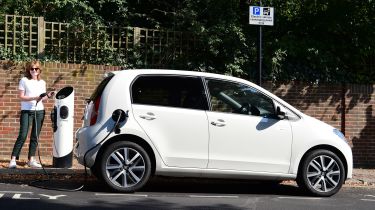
x,y
141,123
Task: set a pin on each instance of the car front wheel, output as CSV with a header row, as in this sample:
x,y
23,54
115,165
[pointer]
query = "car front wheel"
x,y
322,173
125,167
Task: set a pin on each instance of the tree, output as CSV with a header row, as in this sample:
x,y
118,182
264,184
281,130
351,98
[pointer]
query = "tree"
x,y
315,41
323,41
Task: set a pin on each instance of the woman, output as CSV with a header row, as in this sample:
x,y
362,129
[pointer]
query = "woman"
x,y
30,91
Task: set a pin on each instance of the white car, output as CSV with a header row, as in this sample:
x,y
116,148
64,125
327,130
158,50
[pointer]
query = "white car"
x,y
140,123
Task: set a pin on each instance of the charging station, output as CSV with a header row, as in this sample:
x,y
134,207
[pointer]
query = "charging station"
x,y
63,122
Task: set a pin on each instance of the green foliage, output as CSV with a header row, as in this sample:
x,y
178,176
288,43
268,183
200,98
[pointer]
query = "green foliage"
x,y
324,41
227,44
315,41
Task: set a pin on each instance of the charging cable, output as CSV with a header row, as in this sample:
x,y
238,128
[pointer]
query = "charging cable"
x,y
33,183
119,114
36,132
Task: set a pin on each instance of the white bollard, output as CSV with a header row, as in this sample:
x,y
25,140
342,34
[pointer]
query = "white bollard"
x,y
63,128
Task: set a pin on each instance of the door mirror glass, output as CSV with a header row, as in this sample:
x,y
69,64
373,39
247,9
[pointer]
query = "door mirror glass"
x,y
280,114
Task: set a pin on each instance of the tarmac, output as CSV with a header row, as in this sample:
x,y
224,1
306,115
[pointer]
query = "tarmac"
x,y
361,177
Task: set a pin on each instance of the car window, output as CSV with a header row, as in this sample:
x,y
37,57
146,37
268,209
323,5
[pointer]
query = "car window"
x,y
238,98
171,91
100,88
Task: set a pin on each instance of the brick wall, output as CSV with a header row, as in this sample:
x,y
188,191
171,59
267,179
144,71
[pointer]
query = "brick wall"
x,y
325,102
83,78
350,108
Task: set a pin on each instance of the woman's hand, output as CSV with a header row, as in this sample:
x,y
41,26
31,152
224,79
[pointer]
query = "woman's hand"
x,y
50,94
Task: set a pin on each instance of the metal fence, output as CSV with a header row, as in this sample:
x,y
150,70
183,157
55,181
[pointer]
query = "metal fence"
x,y
35,37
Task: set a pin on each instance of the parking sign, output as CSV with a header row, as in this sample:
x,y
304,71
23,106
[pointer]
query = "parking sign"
x,y
261,15
256,11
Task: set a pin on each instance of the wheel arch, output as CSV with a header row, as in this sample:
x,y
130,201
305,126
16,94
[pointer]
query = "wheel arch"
x,y
325,147
129,138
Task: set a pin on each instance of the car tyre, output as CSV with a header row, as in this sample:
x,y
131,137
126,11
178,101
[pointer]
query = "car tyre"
x,y
322,173
125,167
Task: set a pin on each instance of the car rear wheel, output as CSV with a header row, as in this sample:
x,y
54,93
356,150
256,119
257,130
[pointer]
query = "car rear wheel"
x,y
322,173
125,167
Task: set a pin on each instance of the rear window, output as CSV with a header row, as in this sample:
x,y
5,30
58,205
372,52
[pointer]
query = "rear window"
x,y
171,91
99,89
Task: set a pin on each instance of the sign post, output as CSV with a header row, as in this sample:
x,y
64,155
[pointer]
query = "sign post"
x,y
259,15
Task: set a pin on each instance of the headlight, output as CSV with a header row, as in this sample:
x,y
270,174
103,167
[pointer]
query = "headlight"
x,y
340,135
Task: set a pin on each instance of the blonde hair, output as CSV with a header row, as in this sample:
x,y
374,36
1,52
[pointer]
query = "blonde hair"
x,y
29,65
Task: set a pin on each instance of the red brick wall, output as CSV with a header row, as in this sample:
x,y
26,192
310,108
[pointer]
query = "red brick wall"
x,y
328,102
360,122
325,102
83,78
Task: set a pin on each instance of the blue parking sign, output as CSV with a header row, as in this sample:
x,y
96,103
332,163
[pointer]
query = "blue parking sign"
x,y
256,11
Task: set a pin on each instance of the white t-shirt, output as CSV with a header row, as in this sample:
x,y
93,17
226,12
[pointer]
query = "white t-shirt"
x,y
32,88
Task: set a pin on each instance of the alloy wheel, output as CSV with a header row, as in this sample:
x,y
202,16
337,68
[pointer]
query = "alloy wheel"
x,y
323,173
125,167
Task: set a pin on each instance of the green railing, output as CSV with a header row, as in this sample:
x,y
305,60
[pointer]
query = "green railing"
x,y
35,37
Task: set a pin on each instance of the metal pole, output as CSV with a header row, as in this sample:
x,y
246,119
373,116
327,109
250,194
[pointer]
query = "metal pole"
x,y
260,56
260,51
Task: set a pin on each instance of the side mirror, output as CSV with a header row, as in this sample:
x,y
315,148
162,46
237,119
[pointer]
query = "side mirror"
x,y
280,114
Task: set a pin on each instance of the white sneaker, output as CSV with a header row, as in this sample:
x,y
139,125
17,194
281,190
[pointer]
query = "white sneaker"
x,y
34,164
12,164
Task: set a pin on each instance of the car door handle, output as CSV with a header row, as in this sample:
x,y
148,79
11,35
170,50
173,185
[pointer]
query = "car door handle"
x,y
218,124
149,116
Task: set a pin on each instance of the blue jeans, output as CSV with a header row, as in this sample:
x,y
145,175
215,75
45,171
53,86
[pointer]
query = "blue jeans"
x,y
27,118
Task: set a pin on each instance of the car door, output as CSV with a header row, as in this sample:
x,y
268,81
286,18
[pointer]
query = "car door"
x,y
245,133
171,111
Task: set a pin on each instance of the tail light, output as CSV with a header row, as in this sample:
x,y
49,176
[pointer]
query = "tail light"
x,y
96,97
94,112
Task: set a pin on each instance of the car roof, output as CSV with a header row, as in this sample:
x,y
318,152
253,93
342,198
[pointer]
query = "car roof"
x,y
179,72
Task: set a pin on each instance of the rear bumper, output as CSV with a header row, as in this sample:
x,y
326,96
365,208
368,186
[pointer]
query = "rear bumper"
x,y
85,150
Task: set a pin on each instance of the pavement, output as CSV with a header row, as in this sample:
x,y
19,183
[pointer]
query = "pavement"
x,y
361,177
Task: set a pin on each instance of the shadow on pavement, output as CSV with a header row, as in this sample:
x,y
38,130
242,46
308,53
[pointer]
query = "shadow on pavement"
x,y
219,186
206,186
160,185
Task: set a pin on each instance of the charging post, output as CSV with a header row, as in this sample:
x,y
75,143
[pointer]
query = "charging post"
x,y
63,122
